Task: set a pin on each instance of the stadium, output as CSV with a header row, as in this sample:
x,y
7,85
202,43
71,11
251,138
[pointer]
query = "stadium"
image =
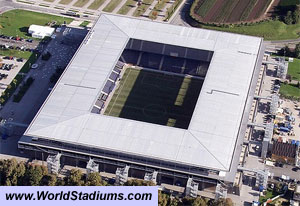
x,y
151,97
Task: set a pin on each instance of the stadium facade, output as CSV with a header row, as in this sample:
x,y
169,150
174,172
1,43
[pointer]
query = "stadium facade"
x,y
70,121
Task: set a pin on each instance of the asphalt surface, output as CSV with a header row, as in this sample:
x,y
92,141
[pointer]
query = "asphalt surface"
x,y
179,17
23,112
10,42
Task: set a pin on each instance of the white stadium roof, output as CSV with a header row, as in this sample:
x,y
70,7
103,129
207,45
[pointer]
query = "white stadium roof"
x,y
212,134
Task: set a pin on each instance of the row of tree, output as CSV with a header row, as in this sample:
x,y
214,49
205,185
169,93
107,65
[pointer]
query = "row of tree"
x,y
286,51
292,17
13,173
167,200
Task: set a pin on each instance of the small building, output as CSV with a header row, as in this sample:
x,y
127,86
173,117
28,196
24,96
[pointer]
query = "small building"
x,y
283,152
40,32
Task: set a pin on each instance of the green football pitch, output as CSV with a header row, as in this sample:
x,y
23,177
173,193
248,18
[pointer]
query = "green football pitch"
x,y
155,98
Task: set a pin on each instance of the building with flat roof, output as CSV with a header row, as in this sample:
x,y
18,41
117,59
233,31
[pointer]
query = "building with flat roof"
x,y
72,120
40,32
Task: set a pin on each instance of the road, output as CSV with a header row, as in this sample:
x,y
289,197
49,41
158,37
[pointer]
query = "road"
x,y
178,17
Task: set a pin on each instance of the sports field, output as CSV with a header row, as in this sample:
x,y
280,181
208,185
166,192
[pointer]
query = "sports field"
x,y
155,98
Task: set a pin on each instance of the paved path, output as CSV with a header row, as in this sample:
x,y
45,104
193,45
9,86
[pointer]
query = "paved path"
x,y
178,18
150,9
119,6
131,11
103,5
163,13
87,4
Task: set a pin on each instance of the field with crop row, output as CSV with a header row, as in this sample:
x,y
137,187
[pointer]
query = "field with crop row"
x,y
228,11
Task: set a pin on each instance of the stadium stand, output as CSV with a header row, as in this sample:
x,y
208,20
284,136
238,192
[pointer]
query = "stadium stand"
x,y
168,58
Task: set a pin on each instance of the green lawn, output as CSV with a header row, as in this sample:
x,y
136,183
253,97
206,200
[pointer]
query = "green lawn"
x,y
269,194
84,23
81,3
112,5
96,4
294,69
15,53
129,4
65,2
271,30
16,22
49,0
289,90
140,10
170,99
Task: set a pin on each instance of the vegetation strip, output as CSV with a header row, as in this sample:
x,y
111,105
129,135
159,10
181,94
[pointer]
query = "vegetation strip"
x,y
172,9
44,5
129,4
81,3
65,2
84,23
158,8
140,10
112,5
26,2
96,4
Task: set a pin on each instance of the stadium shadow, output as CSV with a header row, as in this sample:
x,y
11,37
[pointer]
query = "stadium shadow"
x,y
161,99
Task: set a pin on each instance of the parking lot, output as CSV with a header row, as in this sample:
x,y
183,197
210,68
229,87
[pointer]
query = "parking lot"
x,y
20,42
8,70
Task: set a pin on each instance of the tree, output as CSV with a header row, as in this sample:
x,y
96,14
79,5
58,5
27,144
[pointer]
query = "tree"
x,y
296,15
137,182
11,172
49,180
75,178
94,179
297,51
34,174
288,19
163,199
222,202
199,202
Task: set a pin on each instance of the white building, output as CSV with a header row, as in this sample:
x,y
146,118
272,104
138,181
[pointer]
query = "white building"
x,y
40,32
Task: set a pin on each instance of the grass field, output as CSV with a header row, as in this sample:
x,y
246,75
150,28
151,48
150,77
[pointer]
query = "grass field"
x,y
155,98
65,2
81,3
16,22
84,23
112,5
289,90
294,69
271,30
15,53
129,4
96,4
